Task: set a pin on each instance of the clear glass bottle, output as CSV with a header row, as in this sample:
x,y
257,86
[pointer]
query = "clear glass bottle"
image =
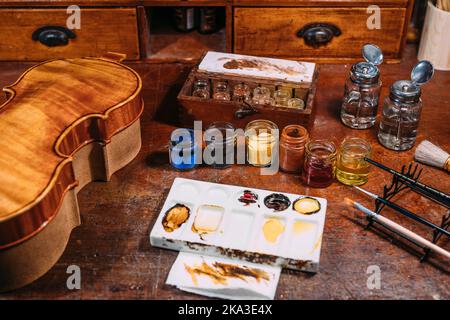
x,y
400,116
362,90
282,97
320,162
261,137
221,90
296,103
201,89
241,92
261,95
401,110
351,168
220,141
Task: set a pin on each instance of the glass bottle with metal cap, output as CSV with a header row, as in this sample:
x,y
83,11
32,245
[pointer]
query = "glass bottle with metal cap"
x,y
401,109
362,90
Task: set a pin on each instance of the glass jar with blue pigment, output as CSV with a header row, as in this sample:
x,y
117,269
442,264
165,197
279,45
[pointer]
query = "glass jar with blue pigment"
x,y
183,149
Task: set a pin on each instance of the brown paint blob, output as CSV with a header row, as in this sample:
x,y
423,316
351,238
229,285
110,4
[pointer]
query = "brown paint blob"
x,y
175,217
220,272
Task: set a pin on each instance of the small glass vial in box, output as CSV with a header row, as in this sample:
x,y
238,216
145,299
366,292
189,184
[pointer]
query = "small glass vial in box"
x,y
241,92
362,90
261,95
201,88
221,90
401,109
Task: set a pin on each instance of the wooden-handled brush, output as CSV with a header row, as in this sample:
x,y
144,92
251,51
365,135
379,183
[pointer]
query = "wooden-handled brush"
x,y
398,228
430,154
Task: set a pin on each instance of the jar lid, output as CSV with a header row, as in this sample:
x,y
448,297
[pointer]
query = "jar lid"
x,y
367,72
364,73
220,129
372,54
405,91
294,134
422,72
182,138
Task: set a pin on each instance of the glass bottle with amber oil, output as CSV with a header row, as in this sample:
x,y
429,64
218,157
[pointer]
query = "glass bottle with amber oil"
x,y
261,137
362,90
319,165
351,168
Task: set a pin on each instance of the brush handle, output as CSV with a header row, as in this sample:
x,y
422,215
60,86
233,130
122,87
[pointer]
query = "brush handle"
x,y
445,198
413,215
441,200
411,235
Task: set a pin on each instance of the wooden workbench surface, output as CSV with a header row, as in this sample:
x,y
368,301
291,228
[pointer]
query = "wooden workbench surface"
x,y
112,245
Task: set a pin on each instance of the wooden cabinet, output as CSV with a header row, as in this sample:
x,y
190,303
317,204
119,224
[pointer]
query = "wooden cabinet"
x,y
102,30
275,31
143,29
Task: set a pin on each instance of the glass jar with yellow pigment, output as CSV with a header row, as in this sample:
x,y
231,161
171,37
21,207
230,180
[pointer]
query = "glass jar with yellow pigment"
x,y
351,168
261,137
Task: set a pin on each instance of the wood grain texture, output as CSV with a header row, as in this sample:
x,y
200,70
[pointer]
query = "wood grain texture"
x,y
24,263
273,31
54,109
320,3
54,3
112,246
347,3
111,3
102,30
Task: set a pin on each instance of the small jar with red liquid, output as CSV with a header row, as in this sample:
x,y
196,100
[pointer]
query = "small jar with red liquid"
x,y
320,163
292,148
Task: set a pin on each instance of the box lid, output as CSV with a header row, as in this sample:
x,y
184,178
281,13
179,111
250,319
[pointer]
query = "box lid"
x,y
257,67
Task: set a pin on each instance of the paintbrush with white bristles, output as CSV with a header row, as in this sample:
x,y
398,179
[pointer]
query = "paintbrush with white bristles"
x,y
430,154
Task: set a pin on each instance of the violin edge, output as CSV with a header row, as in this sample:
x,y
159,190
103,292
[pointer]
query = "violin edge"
x,y
23,223
78,133
47,246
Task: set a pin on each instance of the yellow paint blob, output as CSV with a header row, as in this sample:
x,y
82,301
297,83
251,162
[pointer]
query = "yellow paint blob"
x,y
272,229
301,226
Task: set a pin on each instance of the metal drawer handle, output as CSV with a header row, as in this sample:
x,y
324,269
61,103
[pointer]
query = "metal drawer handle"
x,y
318,34
245,110
53,36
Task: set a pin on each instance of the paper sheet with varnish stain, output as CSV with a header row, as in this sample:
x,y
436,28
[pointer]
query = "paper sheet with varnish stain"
x,y
223,278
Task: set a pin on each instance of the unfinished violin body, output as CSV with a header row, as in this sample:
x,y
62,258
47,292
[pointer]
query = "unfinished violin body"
x,y
66,122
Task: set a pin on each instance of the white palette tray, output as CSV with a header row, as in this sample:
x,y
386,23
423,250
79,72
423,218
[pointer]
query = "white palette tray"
x,y
240,233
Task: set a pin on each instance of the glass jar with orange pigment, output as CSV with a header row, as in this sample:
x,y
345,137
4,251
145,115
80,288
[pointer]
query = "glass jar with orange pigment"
x,y
292,148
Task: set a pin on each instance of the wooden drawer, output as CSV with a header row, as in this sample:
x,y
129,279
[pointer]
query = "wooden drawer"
x,y
102,30
273,32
